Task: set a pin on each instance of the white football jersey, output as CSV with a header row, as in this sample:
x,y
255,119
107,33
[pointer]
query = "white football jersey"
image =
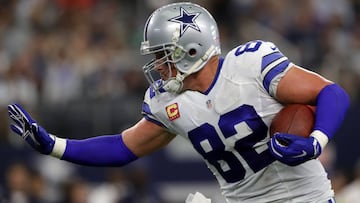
x,y
228,125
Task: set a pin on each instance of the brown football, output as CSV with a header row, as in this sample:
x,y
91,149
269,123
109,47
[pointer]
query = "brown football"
x,y
297,119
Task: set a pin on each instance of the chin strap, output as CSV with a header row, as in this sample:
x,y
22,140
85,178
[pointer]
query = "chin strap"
x,y
175,84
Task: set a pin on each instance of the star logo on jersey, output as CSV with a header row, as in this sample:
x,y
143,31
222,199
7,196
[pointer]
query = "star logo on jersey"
x,y
186,21
173,111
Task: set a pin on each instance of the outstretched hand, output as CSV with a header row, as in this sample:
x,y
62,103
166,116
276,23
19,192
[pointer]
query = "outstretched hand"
x,y
29,130
292,149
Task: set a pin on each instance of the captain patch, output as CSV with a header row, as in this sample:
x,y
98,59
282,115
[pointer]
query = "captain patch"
x,y
173,111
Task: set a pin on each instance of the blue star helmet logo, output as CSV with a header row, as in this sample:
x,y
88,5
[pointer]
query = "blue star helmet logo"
x,y
186,20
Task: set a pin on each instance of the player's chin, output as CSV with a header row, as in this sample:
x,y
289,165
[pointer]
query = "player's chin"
x,y
164,78
164,75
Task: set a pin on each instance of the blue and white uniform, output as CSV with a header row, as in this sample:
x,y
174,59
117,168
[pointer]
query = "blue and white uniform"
x,y
228,125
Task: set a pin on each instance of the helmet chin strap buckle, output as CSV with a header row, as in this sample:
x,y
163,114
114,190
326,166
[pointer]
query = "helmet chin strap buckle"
x,y
175,84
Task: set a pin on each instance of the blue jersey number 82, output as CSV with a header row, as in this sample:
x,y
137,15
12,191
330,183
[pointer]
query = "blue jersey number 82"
x,y
218,156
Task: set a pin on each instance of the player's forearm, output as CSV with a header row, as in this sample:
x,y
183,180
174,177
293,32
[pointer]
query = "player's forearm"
x,y
331,107
107,150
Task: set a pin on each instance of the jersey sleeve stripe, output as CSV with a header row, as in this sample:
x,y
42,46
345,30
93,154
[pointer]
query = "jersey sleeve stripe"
x,y
268,59
146,112
154,121
271,74
146,109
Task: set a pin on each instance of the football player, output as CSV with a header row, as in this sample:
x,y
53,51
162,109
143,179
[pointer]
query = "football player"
x,y
223,105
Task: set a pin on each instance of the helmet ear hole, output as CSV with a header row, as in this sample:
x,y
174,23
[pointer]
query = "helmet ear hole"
x,y
192,52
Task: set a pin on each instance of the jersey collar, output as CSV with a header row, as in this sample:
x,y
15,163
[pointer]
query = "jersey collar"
x,y
221,60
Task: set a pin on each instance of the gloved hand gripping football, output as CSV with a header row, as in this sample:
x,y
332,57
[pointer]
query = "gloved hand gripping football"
x,y
29,130
293,149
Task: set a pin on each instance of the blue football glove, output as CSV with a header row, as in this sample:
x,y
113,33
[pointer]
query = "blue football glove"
x,y
29,130
293,149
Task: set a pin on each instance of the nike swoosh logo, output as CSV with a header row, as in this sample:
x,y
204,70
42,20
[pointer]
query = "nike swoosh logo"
x,y
273,48
300,155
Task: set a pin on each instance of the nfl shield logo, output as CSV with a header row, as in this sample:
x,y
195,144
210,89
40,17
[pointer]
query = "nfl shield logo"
x,y
208,104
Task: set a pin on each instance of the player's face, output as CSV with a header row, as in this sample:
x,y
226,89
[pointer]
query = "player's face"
x,y
164,68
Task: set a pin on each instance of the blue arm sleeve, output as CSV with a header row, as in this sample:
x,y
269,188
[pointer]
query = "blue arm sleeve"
x,y
107,150
331,106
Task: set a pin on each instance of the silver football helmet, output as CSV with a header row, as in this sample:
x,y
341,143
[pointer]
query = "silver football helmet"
x,y
183,34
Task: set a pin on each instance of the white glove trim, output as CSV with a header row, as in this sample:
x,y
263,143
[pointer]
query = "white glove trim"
x,y
320,137
59,147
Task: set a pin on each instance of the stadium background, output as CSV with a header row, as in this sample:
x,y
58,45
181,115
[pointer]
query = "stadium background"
x,y
75,65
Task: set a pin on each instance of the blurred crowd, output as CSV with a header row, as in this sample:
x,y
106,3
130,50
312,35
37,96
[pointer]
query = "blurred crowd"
x,y
56,53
